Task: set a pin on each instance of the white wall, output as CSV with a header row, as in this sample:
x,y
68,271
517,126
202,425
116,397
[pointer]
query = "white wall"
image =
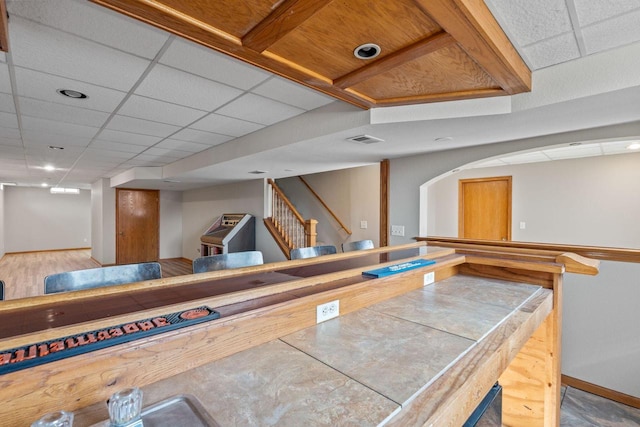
x,y
103,222
2,245
37,220
589,201
170,224
353,194
201,207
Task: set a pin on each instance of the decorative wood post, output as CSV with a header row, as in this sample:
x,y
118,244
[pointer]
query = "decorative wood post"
x,y
310,231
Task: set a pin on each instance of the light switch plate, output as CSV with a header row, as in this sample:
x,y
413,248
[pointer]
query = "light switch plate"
x,y
363,224
397,230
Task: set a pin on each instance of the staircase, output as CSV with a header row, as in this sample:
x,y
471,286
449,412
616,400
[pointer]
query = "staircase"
x,y
289,229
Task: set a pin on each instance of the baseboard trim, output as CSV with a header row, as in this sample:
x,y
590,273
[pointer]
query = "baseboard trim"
x,y
46,250
601,391
177,259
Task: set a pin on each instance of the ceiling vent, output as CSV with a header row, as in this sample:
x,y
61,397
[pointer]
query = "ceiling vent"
x,y
365,139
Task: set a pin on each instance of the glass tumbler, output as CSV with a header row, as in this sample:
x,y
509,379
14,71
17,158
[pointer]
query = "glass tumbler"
x,y
125,406
55,419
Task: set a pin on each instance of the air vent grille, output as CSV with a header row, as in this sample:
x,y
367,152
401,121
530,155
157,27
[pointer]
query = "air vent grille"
x,y
365,139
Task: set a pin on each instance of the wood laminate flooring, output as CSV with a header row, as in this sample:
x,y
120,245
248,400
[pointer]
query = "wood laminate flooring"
x,y
24,273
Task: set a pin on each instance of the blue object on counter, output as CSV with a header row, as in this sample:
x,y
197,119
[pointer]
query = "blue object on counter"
x,y
398,268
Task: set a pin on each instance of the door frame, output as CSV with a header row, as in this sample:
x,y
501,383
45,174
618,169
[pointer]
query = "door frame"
x,y
461,183
118,218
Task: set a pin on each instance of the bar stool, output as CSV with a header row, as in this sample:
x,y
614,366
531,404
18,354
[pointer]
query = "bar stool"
x,y
312,251
357,246
227,261
102,276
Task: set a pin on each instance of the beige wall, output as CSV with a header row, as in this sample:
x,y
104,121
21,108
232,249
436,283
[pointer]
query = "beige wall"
x,y
2,251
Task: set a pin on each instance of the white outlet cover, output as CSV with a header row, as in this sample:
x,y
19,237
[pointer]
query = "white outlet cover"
x,y
429,278
327,311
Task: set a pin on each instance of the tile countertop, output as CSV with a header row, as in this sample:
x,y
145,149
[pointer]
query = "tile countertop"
x,y
359,369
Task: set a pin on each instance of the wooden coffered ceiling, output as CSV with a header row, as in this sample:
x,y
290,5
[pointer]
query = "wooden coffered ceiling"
x,y
431,50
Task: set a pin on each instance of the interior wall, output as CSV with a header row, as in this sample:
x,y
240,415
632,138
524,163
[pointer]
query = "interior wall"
x,y
201,207
36,220
353,194
170,224
588,201
2,251
103,222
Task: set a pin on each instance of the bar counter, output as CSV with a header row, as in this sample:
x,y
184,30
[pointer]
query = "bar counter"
x,y
403,351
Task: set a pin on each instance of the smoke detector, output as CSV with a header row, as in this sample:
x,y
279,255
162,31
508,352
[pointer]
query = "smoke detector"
x,y
365,139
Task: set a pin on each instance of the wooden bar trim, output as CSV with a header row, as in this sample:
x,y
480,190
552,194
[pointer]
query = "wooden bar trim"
x,y
46,250
607,393
602,253
437,97
385,178
284,198
324,204
4,27
510,274
423,47
285,18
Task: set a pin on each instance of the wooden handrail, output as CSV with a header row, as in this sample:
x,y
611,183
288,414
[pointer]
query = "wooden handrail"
x,y
286,200
556,249
317,196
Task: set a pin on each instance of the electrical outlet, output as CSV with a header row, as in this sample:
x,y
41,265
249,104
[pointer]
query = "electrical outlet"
x,y
429,278
363,224
327,311
397,230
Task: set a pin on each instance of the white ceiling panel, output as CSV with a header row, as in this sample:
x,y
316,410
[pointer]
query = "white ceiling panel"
x,y
618,147
201,137
10,141
175,144
574,152
291,93
8,120
526,158
145,127
212,65
226,125
159,111
117,146
167,152
611,33
590,11
43,86
107,155
553,51
12,151
34,137
128,137
62,113
259,109
5,82
11,133
532,21
91,22
179,87
44,49
163,158
6,103
55,127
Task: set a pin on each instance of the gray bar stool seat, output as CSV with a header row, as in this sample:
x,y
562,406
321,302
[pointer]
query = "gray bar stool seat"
x,y
227,261
102,276
312,251
357,246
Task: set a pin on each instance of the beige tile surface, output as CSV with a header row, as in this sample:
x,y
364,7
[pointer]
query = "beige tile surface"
x,y
489,291
394,357
466,318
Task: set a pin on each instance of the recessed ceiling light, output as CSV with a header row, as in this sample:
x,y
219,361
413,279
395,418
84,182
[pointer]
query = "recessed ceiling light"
x,y
44,184
258,172
634,146
49,168
573,144
367,51
53,147
70,93
444,139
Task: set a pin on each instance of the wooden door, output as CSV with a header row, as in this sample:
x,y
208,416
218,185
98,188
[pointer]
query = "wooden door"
x,y
484,208
137,226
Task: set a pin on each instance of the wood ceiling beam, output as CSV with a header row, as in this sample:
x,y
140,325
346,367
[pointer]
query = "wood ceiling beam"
x,y
441,97
478,33
284,19
423,47
4,27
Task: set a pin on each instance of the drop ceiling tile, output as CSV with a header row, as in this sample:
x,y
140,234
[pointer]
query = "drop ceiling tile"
x,y
612,33
525,158
531,21
43,86
212,65
6,103
193,91
590,11
5,83
618,147
128,137
488,164
11,152
117,146
159,111
226,125
35,137
167,152
8,120
3,57
12,133
16,141
93,22
175,144
292,93
107,155
201,137
44,49
53,127
164,159
61,112
578,151
259,109
144,127
552,51
141,162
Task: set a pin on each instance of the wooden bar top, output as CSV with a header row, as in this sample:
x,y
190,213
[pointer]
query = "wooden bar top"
x,y
399,362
